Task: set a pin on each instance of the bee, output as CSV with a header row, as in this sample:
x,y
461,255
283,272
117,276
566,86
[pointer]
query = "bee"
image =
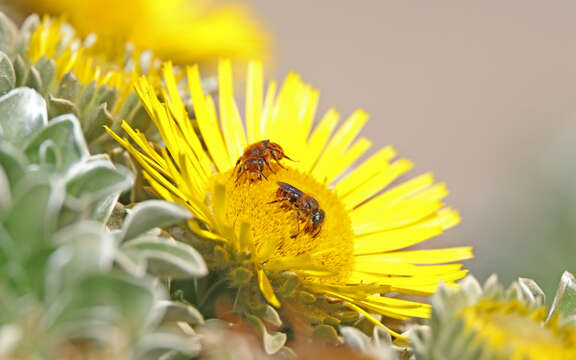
x,y
306,207
256,156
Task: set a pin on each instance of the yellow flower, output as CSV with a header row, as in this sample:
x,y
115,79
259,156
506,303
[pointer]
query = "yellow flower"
x,y
517,331
490,322
93,60
357,258
182,30
90,77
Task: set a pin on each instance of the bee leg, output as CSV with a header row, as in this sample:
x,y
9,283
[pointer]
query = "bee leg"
x,y
260,175
317,232
236,168
297,223
278,200
268,164
241,172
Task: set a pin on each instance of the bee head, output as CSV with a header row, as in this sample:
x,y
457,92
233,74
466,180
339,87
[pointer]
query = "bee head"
x,y
255,164
318,216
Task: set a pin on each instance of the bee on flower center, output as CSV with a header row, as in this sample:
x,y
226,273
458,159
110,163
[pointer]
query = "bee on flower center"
x,y
256,157
305,205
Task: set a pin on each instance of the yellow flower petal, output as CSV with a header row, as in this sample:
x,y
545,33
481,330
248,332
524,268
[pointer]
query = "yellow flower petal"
x,y
207,122
254,88
435,256
267,289
232,129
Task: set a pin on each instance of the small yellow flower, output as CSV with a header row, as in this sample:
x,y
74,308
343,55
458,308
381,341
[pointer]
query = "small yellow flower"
x,y
114,65
489,322
182,30
91,77
357,258
517,331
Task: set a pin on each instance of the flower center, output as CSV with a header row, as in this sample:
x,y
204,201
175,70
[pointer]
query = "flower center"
x,y
282,232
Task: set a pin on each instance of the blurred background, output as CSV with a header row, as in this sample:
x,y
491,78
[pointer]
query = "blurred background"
x,y
481,93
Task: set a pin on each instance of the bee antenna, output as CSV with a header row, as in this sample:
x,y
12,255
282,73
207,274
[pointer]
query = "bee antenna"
x,y
290,158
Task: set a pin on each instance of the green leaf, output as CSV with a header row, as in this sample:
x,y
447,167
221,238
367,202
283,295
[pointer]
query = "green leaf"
x,y
271,316
8,35
93,246
102,209
32,266
564,303
326,333
241,276
140,119
84,249
113,299
23,114
94,127
93,188
69,87
87,97
96,179
68,143
31,218
150,214
128,107
5,193
273,342
167,346
166,257
381,336
107,96
175,311
13,163
7,74
29,25
291,282
531,292
34,79
60,106
47,70
492,286
20,69
355,338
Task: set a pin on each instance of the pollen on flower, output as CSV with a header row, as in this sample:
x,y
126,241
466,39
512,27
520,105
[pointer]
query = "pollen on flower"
x,y
273,226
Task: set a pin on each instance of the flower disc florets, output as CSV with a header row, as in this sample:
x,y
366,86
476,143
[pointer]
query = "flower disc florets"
x,y
276,233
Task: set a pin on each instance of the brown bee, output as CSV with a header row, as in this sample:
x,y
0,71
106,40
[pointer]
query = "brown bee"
x,y
306,207
256,156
